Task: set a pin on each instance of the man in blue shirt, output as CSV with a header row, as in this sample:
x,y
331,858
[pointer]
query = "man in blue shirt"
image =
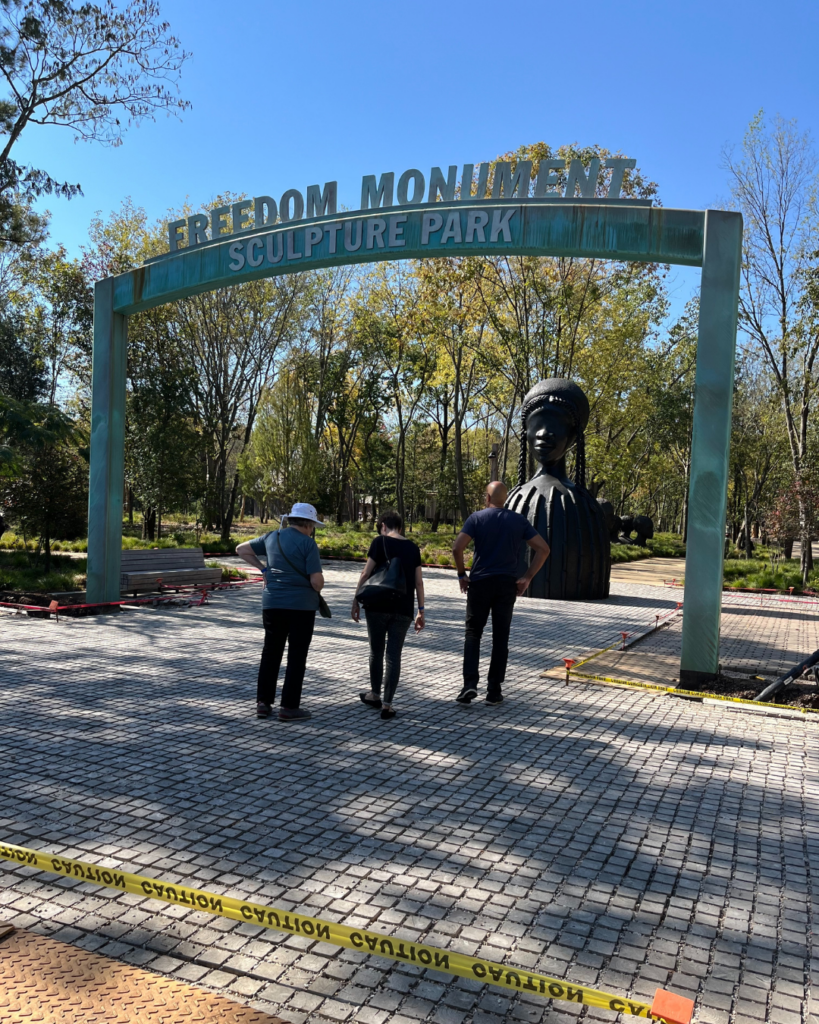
x,y
493,585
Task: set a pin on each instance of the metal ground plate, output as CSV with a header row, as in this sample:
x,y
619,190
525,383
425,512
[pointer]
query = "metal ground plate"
x,y
55,983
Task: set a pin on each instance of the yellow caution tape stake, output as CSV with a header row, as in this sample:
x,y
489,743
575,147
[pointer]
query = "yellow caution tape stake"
x,y
503,976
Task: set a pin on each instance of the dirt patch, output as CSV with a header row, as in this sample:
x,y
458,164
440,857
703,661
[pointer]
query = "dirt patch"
x,y
804,694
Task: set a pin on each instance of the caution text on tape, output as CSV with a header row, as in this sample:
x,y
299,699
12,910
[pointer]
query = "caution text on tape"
x,y
487,971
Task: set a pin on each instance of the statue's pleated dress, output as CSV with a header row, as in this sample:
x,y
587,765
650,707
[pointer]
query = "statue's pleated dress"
x,y
574,526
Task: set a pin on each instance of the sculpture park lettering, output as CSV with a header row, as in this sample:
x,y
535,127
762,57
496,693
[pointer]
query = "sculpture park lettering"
x,y
556,179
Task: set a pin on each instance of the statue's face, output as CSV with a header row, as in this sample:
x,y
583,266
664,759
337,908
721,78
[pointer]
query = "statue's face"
x,y
550,431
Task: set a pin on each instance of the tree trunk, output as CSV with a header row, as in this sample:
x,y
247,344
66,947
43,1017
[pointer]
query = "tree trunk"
x,y
746,531
149,523
228,509
805,541
400,469
459,471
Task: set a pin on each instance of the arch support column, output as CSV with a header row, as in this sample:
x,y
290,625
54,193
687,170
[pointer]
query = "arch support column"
x,y
107,471
710,446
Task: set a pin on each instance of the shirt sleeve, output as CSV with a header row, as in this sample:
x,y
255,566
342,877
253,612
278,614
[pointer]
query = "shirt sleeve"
x,y
257,545
376,548
469,526
416,556
313,560
529,531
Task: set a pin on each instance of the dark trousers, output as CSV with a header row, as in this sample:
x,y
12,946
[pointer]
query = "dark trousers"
x,y
386,631
493,595
294,628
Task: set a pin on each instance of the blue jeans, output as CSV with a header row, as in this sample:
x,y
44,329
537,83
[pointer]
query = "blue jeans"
x,y
386,630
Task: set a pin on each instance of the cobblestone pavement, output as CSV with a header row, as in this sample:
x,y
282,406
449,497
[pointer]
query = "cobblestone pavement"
x,y
612,837
759,635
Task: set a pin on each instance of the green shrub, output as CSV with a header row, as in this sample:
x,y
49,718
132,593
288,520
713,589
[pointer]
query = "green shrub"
x,y
667,545
19,572
628,553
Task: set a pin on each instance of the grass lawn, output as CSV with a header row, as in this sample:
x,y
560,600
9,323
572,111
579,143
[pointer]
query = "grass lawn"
x,y
22,571
762,573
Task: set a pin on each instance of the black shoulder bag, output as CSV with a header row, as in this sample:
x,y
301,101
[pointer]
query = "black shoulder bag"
x,y
387,585
324,608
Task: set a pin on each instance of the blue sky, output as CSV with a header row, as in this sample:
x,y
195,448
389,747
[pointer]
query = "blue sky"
x,y
288,94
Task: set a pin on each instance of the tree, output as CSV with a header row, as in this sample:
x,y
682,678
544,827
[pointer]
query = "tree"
x,y
232,338
282,465
46,472
58,303
545,312
774,181
455,324
90,68
22,374
388,318
163,461
757,444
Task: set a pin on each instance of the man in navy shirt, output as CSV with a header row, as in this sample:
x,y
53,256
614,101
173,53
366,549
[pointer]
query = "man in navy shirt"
x,y
493,585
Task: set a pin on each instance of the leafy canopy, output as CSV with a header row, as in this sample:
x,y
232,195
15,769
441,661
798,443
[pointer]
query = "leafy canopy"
x,y
91,68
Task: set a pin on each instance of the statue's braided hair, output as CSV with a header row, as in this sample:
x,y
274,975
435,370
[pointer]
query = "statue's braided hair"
x,y
567,395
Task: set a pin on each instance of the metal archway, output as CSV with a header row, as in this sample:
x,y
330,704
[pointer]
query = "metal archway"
x,y
617,229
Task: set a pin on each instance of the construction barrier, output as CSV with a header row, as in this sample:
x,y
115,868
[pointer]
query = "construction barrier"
x,y
675,691
667,1006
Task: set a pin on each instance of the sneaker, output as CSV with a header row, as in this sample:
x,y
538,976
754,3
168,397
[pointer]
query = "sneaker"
x,y
466,695
263,710
494,698
293,714
387,713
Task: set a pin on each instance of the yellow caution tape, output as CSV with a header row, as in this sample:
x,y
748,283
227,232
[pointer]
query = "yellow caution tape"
x,y
699,694
486,971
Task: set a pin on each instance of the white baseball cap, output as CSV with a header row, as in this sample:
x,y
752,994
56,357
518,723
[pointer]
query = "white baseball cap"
x,y
301,510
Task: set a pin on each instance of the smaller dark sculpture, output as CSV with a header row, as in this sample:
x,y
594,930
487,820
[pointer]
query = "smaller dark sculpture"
x,y
614,524
644,528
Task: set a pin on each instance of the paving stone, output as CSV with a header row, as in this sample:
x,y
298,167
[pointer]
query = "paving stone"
x,y
598,834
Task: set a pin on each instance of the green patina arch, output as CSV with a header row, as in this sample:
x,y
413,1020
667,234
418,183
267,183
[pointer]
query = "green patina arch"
x,y
606,229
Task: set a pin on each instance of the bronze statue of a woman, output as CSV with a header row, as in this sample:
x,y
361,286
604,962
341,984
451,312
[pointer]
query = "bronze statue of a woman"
x,y
555,414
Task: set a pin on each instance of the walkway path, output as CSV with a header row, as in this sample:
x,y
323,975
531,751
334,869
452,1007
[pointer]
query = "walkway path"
x,y
614,838
655,572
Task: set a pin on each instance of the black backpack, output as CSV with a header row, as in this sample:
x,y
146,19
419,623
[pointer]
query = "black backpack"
x,y
382,591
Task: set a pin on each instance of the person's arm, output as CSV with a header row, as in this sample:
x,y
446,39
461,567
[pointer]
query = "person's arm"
x,y
541,550
462,542
366,572
313,561
419,590
247,554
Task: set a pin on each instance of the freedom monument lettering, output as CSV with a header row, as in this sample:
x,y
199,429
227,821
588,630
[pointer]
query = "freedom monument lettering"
x,y
262,211
564,209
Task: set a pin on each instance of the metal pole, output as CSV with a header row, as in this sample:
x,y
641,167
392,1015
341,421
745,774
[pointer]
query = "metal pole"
x,y
710,446
107,446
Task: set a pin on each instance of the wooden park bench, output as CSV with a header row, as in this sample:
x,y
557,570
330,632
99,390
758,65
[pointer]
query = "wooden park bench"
x,y
171,567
